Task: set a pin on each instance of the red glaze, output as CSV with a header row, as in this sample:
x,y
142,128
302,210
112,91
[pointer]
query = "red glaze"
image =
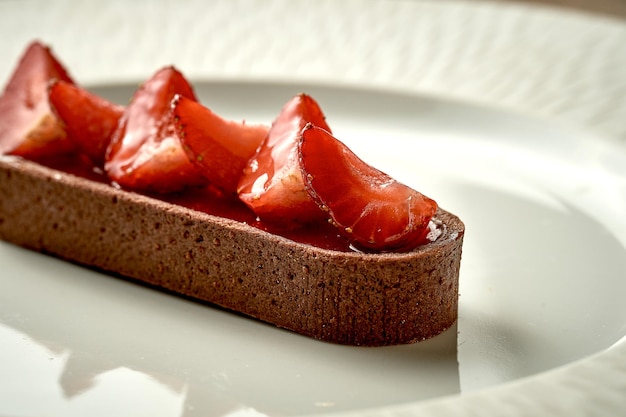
x,y
272,184
89,120
145,153
28,128
212,201
220,148
369,208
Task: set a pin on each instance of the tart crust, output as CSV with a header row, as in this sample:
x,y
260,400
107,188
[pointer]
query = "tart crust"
x,y
342,297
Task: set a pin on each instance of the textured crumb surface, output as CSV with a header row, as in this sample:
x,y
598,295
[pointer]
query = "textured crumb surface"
x,y
349,298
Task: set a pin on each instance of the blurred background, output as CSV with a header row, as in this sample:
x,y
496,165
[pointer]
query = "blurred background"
x,y
613,8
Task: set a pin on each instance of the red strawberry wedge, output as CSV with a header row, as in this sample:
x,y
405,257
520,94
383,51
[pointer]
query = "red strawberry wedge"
x,y
220,148
28,127
89,120
145,153
369,208
272,184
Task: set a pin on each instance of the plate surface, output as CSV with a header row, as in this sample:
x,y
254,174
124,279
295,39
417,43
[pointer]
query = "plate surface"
x,y
534,162
534,294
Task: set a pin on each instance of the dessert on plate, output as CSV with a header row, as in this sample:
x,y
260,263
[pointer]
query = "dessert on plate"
x,y
281,222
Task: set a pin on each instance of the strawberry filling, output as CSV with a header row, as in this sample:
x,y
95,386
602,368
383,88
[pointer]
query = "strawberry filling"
x,y
293,179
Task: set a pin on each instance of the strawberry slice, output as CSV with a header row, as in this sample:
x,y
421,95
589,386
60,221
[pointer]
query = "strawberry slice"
x,y
145,153
220,148
272,184
28,127
89,119
369,208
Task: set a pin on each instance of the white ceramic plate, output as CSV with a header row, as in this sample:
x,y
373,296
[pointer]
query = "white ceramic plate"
x,y
542,195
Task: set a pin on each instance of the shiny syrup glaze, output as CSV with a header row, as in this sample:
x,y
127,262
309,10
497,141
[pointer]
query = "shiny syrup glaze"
x,y
210,201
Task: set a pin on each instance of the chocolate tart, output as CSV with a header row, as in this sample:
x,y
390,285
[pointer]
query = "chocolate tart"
x,y
342,297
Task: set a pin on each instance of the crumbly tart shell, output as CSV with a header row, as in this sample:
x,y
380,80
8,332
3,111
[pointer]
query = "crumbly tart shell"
x,y
341,297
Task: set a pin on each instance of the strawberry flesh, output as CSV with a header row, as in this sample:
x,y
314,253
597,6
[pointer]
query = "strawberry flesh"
x,y
220,148
272,184
28,128
89,120
371,209
145,153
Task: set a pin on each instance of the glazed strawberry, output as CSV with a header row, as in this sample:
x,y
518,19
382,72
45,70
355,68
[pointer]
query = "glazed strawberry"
x,y
272,184
220,148
371,209
145,153
89,119
28,127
